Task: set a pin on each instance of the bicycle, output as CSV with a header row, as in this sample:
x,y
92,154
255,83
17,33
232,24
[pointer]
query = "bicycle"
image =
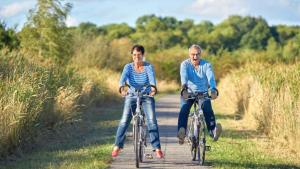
x,y
139,125
196,136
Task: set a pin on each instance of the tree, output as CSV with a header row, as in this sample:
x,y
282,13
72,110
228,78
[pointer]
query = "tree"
x,y
142,21
152,23
199,33
291,50
117,31
8,37
185,25
88,29
258,37
284,33
45,34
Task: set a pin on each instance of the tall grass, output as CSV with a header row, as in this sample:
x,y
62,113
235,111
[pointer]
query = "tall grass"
x,y
32,97
102,53
267,98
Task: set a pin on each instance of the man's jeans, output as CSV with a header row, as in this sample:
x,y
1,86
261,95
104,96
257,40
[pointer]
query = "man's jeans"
x,y
148,105
185,109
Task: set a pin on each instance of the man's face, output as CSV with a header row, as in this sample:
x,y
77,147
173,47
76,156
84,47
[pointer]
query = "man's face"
x,y
194,55
137,56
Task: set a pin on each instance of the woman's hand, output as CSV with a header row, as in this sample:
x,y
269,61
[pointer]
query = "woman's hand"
x,y
122,91
153,91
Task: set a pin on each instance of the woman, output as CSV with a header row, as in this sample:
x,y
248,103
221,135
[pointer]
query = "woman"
x,y
138,74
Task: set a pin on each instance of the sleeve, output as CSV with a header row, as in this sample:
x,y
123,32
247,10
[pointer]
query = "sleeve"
x,y
151,75
210,76
183,73
124,76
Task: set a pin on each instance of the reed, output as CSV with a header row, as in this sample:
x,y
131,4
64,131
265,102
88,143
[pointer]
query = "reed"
x,y
267,98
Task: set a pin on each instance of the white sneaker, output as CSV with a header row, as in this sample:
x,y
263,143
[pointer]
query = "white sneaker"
x,y
181,135
217,132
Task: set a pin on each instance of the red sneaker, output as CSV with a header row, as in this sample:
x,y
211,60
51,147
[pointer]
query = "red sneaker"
x,y
159,153
115,152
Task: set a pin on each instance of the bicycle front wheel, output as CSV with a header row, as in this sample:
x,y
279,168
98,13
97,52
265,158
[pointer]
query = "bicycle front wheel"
x,y
136,143
141,144
195,142
201,151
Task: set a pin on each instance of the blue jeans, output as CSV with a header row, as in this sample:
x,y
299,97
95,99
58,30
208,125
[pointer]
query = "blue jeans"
x,y
185,110
148,105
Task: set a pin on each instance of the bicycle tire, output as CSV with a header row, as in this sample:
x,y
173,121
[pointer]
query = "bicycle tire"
x,y
194,152
141,144
136,143
133,135
201,153
197,148
201,145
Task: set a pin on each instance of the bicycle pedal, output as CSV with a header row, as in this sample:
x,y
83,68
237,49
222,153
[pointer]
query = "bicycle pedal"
x,y
207,148
148,156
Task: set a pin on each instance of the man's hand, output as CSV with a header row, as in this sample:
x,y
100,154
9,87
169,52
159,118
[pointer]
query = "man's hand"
x,y
153,91
184,87
184,91
214,94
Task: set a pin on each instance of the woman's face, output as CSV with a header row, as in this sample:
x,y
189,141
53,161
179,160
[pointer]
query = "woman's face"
x,y
137,56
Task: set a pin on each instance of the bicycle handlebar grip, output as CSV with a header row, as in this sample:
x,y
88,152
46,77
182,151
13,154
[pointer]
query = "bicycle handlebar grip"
x,y
123,86
183,88
120,89
216,91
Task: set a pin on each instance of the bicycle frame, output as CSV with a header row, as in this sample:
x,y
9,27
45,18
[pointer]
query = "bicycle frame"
x,y
139,132
139,127
196,132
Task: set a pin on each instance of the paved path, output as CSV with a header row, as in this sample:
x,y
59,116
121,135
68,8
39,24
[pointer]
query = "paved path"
x,y
176,156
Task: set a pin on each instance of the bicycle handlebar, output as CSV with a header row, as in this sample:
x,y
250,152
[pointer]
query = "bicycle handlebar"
x,y
194,94
141,89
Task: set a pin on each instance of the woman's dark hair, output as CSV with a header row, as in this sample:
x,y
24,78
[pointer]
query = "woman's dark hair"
x,y
138,48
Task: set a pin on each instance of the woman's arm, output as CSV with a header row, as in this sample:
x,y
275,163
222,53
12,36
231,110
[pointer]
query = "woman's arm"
x,y
124,76
151,75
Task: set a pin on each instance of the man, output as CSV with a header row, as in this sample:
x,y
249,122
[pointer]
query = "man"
x,y
198,75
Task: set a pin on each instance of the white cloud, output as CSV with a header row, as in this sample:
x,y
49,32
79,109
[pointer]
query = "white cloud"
x,y
220,8
287,10
16,8
71,21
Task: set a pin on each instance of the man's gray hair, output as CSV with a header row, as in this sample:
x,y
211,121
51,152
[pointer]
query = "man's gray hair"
x,y
194,46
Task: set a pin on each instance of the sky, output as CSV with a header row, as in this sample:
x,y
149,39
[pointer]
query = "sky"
x,y
101,12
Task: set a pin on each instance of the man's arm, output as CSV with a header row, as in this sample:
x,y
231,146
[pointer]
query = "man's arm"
x,y
183,74
211,81
210,76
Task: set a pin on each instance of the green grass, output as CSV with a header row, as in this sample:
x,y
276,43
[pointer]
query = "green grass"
x,y
87,145
239,148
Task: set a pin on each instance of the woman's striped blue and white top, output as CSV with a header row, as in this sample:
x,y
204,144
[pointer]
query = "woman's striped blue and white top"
x,y
137,80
